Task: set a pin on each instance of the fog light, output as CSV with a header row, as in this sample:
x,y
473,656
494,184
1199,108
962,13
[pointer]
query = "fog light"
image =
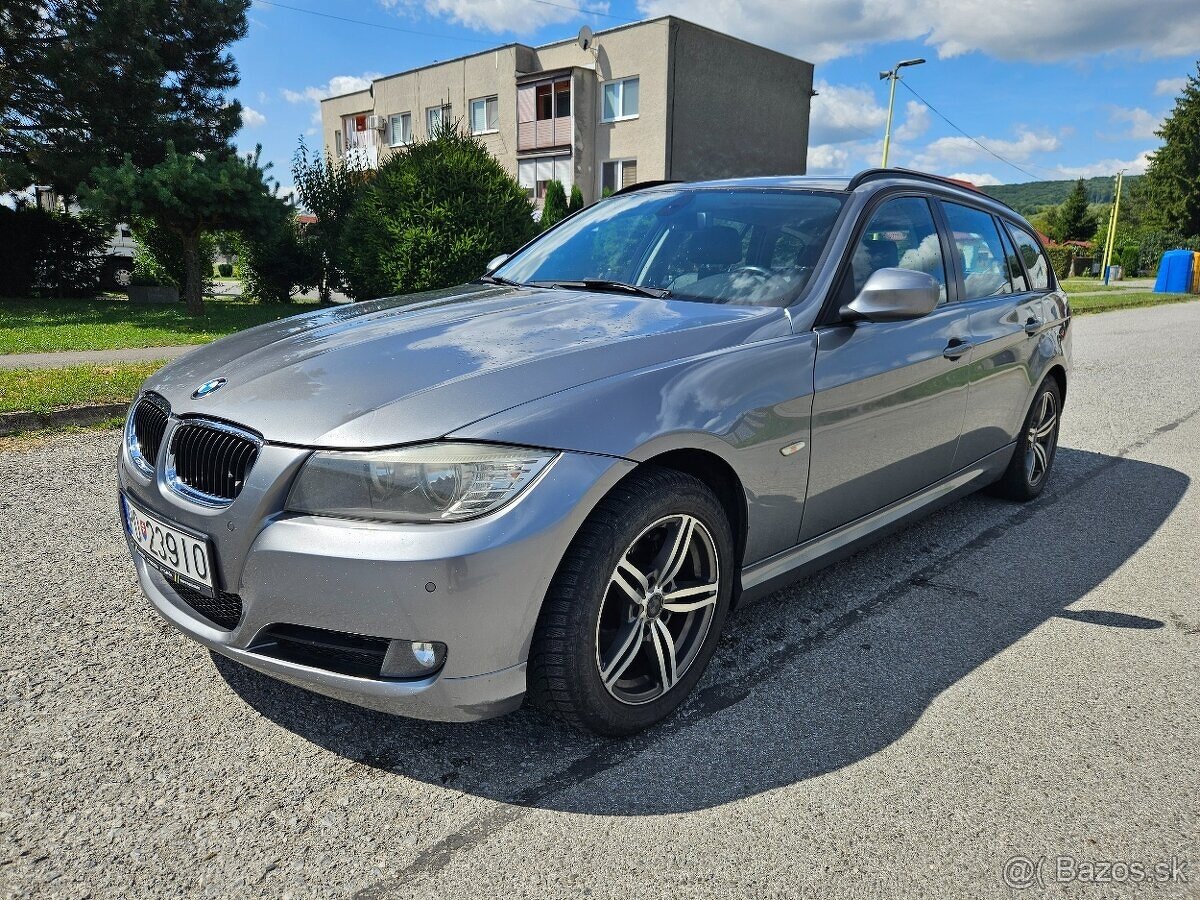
x,y
412,659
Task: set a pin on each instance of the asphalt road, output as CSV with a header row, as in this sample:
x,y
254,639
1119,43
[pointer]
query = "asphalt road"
x,y
996,681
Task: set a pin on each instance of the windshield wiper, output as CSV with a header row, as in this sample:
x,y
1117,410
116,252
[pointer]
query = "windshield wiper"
x,y
603,284
496,279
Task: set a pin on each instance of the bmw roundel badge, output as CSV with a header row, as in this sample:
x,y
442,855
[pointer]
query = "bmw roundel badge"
x,y
207,388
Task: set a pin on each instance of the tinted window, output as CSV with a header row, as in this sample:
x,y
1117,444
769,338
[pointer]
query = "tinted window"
x,y
719,246
1035,259
1015,273
980,252
900,234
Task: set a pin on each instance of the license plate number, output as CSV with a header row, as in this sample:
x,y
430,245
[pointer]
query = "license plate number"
x,y
170,549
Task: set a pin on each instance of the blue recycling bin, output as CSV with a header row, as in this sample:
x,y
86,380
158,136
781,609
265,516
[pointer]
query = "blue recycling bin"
x,y
1175,272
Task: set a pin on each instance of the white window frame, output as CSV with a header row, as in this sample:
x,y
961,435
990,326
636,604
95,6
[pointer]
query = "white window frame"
x,y
620,85
492,98
620,170
392,130
445,111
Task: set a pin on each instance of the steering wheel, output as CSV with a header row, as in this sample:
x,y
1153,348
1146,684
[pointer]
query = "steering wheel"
x,y
753,270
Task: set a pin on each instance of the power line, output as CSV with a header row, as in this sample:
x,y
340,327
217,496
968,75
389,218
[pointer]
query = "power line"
x,y
325,15
974,141
582,10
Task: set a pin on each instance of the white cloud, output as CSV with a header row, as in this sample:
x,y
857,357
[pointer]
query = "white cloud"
x,y
252,118
263,98
916,122
820,30
1135,166
1170,86
518,16
980,179
1142,124
827,159
335,87
953,151
842,113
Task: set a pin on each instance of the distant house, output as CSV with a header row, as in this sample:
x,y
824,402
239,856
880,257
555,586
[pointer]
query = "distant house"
x,y
660,99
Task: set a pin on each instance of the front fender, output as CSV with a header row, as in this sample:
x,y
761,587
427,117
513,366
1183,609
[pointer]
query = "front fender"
x,y
743,405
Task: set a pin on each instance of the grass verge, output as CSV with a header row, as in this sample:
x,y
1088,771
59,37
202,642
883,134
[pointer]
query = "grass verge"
x,y
42,437
41,390
1095,303
111,322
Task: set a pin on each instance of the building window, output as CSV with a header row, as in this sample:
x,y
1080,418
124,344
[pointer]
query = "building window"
x,y
400,129
617,174
437,118
536,173
337,142
485,115
562,99
619,101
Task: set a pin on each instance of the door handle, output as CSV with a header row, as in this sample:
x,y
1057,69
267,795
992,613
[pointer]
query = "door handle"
x,y
957,348
1033,325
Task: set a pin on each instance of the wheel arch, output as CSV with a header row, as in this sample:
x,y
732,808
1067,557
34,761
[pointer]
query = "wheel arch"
x,y
1059,373
721,478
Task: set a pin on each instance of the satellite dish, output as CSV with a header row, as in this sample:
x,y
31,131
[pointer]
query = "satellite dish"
x,y
586,38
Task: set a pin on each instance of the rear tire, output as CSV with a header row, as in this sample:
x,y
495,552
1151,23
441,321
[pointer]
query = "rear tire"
x,y
118,273
633,614
1029,469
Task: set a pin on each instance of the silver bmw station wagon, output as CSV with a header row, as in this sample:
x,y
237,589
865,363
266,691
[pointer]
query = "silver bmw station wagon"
x,y
558,481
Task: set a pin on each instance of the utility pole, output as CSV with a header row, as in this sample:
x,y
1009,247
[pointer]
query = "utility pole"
x,y
893,76
1112,227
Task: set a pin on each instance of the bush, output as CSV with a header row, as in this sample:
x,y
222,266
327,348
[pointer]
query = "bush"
x,y
432,217
554,208
50,254
1060,259
576,202
225,270
1129,259
278,263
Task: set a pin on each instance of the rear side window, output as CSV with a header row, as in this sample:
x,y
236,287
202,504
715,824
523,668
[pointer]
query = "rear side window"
x,y
1015,273
980,252
1035,259
900,235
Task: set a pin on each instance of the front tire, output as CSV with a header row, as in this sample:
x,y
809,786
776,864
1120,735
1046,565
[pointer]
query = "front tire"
x,y
1029,469
633,614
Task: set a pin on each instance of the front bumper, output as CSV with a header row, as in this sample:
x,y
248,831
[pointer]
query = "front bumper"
x,y
476,586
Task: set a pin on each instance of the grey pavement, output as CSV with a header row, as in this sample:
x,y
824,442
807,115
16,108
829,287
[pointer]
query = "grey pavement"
x,y
997,681
90,357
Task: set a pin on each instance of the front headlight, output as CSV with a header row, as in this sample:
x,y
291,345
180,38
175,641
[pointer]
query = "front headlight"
x,y
430,483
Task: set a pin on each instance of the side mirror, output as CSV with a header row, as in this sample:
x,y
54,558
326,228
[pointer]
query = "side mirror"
x,y
894,295
496,262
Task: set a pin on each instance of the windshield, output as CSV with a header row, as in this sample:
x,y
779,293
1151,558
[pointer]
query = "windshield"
x,y
738,246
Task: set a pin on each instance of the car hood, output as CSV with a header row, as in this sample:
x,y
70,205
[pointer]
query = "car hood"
x,y
416,368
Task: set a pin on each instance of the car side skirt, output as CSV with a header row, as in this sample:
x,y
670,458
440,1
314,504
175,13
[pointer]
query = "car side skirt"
x,y
762,578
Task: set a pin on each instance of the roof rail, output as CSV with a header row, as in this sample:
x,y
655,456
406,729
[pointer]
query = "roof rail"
x,y
642,185
896,172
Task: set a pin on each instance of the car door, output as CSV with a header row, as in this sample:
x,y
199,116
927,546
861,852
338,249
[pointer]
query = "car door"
x,y
889,397
1005,303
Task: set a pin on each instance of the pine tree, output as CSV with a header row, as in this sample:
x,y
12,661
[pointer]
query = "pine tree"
x,y
1172,182
576,202
554,209
1075,221
89,82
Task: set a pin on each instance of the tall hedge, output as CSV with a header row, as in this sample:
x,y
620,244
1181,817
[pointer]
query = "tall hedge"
x,y
432,217
50,254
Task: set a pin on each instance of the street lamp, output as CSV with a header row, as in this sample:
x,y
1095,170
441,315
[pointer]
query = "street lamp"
x,y
893,76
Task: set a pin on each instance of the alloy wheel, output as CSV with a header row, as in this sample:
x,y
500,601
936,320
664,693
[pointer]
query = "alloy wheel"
x,y
657,609
1041,437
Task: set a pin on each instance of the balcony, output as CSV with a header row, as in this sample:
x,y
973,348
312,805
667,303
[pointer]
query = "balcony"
x,y
544,119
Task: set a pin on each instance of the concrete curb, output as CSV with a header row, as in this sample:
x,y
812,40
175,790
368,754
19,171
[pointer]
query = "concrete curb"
x,y
92,414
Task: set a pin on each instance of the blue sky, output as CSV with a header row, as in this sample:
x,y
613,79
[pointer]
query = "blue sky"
x,y
1059,90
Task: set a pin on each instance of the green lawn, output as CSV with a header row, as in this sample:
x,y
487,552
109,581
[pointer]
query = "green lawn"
x,y
1103,302
105,323
40,390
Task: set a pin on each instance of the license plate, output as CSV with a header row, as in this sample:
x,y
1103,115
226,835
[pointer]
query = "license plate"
x,y
176,554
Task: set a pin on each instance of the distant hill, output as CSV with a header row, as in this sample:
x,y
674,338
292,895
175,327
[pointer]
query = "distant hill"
x,y
1027,198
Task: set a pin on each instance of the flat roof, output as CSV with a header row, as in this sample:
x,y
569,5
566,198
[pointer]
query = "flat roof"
x,y
559,43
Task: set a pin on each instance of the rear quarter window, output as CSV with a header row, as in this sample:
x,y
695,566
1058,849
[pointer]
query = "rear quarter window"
x,y
1035,260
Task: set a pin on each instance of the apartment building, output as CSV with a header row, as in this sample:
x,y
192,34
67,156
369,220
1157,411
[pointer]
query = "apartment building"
x,y
659,99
